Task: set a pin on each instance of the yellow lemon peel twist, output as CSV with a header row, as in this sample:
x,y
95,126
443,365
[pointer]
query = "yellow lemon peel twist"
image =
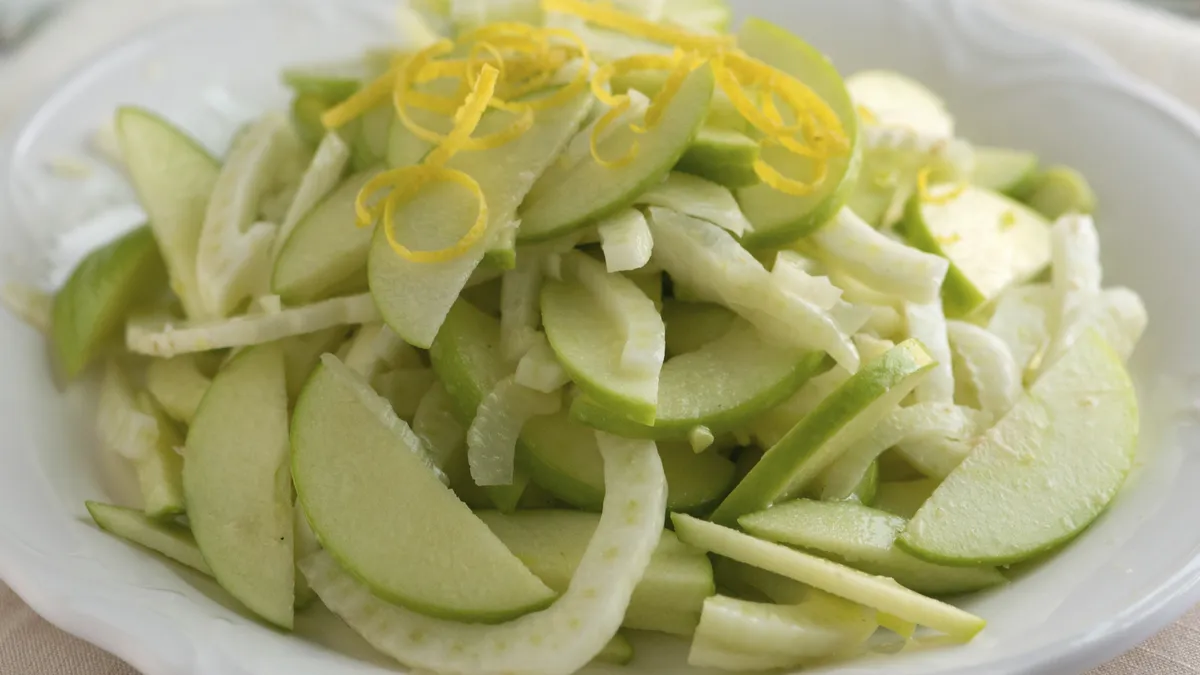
x,y
945,197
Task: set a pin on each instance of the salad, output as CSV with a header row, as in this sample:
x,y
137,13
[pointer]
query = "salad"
x,y
568,320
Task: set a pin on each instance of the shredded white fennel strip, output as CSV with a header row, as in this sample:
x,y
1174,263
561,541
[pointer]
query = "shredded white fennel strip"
x,y
628,307
698,198
871,347
520,309
166,339
1121,317
234,254
700,438
881,263
319,179
1075,281
712,263
539,369
365,355
435,423
626,241
121,425
1020,321
492,436
919,422
927,323
989,364
558,640
791,270
29,304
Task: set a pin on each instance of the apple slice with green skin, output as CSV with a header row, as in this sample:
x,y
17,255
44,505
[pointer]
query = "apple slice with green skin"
x,y
691,325
780,218
333,81
991,241
305,113
160,469
721,386
171,540
724,156
904,498
178,385
879,593
667,598
607,335
235,479
593,191
821,436
174,178
1057,191
90,309
863,538
414,297
1043,473
325,249
1003,170
352,469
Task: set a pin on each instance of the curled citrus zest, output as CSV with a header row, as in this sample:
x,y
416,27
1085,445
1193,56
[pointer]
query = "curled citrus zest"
x,y
606,16
361,101
603,123
429,174
944,197
772,177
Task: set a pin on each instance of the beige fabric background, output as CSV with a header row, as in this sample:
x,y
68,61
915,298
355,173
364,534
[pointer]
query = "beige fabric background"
x,y
1156,46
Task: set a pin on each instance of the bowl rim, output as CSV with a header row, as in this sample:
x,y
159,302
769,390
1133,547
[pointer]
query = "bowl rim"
x,y
1083,649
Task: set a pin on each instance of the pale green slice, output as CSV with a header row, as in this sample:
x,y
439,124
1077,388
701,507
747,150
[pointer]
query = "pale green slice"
x,y
414,297
559,639
691,325
752,582
1043,473
235,471
304,544
369,145
780,218
89,310
592,191
171,540
1004,170
334,81
699,15
724,156
619,650
353,470
863,538
721,385
174,178
1059,190
325,249
904,498
609,338
160,470
178,385
991,241
551,543
302,353
821,436
892,100
741,635
879,593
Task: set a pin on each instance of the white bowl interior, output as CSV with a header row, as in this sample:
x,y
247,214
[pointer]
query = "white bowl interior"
x,y
1128,575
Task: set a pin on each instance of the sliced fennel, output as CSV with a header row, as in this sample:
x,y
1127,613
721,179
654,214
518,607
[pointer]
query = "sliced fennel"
x,y
712,263
160,468
121,424
235,251
539,369
556,641
404,388
319,180
927,324
882,263
520,290
626,240
991,369
698,198
792,272
435,423
166,340
1020,321
31,305
893,100
1075,282
492,436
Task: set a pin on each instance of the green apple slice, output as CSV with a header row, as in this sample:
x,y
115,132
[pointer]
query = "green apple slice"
x,y
353,469
325,248
691,325
698,198
174,178
1002,170
177,385
235,472
879,593
904,498
592,191
414,297
741,635
90,308
893,100
991,241
698,15
607,335
863,538
780,218
724,156
1059,190
559,639
334,81
722,385
160,469
551,543
171,540
821,436
1043,473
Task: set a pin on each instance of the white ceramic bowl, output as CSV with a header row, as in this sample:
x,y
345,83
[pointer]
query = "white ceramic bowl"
x,y
1131,574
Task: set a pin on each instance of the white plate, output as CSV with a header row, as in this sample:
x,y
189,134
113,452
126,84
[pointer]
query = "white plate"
x,y
1131,574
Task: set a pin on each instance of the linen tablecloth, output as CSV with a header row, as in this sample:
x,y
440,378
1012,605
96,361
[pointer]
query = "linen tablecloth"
x,y
1155,45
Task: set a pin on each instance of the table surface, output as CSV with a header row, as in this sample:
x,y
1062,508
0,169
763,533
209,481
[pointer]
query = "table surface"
x,y
1155,45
